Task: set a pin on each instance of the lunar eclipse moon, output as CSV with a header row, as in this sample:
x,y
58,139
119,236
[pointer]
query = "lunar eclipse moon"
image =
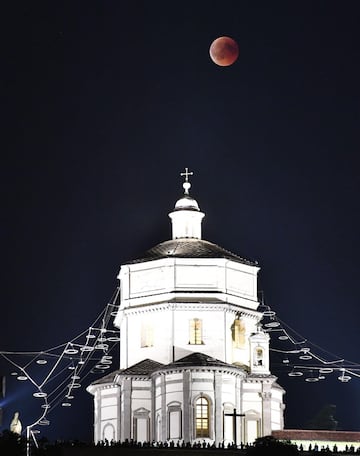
x,y
224,51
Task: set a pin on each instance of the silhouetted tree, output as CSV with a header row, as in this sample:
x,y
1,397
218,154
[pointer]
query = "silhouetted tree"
x,y
271,446
11,444
324,419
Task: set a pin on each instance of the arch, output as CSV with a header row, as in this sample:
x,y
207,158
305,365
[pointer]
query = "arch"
x,y
108,432
252,425
228,422
202,416
141,424
174,415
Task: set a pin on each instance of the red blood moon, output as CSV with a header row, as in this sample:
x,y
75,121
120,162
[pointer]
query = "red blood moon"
x,y
224,51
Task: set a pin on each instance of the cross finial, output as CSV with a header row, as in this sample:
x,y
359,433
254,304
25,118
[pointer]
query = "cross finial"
x,y
186,184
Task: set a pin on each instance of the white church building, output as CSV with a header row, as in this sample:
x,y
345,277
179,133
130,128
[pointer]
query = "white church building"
x,y
194,361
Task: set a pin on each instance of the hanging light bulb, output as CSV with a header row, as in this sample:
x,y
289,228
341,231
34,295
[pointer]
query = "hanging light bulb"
x,y
312,379
71,351
305,357
344,378
41,361
40,394
295,374
326,370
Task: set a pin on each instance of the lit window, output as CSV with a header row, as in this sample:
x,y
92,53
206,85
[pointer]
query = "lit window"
x,y
259,356
202,417
238,333
195,331
147,335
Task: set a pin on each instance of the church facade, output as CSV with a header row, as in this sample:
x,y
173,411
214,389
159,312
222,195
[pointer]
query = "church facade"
x,y
194,360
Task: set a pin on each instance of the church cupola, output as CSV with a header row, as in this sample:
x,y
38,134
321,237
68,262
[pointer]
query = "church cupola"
x,y
186,218
259,352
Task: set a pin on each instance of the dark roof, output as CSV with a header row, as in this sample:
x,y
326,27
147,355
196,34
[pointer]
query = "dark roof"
x,y
148,366
145,367
199,359
189,248
109,378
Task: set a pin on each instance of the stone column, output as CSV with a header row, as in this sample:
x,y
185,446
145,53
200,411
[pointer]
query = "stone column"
x,y
186,407
127,415
163,408
266,409
218,411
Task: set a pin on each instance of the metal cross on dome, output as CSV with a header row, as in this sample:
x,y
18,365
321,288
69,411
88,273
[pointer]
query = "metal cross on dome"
x,y
186,184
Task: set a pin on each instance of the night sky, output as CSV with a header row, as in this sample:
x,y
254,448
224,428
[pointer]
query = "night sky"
x,y
105,103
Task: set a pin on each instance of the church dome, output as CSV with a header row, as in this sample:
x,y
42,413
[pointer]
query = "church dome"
x,y
190,248
186,203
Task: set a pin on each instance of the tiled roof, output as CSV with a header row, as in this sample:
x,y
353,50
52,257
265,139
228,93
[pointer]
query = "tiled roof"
x,y
145,367
314,435
148,366
109,378
190,248
199,359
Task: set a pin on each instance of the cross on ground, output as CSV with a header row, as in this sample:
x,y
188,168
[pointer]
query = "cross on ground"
x,y
234,415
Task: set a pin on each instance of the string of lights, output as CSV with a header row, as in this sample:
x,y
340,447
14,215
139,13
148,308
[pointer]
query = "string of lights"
x,y
56,373
299,357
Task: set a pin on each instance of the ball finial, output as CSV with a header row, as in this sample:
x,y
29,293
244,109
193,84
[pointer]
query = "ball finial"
x,y
186,184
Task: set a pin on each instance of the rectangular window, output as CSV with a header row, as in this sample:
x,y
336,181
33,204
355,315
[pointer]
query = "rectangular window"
x,y
195,332
147,335
175,424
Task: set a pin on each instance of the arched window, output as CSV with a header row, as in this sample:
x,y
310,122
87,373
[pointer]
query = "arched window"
x,y
238,333
195,336
202,417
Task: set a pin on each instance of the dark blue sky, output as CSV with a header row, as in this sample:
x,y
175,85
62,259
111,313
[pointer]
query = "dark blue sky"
x,y
105,103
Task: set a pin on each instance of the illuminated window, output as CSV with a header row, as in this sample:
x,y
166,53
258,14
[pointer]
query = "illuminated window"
x,y
195,331
202,417
238,333
147,335
259,354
